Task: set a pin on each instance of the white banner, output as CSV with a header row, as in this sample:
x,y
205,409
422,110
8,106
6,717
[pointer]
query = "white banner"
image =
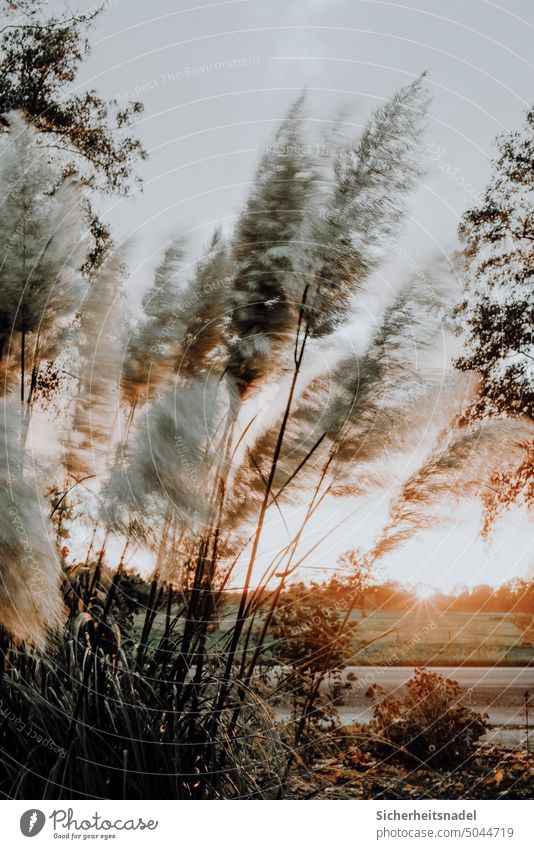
x,y
269,825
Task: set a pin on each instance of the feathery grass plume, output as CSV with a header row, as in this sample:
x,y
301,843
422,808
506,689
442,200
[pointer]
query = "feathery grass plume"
x,y
149,348
169,463
159,302
202,309
30,599
97,402
369,405
349,237
382,399
182,326
41,245
266,251
353,229
460,467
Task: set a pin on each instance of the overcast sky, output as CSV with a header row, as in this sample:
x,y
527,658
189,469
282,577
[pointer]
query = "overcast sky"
x,y
216,79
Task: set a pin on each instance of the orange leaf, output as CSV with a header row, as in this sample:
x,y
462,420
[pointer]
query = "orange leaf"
x,y
498,777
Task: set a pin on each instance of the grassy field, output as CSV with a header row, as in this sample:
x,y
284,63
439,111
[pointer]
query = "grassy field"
x,y
432,638
443,639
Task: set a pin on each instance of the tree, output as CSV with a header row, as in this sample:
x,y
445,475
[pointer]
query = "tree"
x,y
498,312
39,62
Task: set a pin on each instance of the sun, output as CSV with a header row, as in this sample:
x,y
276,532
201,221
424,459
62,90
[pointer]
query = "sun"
x,y
424,591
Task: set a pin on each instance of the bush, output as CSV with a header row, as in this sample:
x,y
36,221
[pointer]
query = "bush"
x,y
311,645
430,723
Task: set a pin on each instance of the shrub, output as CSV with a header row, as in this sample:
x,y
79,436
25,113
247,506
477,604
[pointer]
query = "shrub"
x,y
311,645
430,723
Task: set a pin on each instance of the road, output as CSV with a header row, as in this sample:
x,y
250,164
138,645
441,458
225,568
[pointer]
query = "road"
x,y
497,691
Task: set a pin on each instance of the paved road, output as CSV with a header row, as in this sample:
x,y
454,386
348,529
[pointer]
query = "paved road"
x,y
497,691
485,688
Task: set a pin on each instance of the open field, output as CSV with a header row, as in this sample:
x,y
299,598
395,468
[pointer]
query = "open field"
x,y
425,637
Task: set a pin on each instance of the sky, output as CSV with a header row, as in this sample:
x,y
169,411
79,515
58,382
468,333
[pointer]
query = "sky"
x,y
216,79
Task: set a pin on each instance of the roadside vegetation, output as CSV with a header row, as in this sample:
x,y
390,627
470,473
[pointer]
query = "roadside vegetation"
x,y
181,430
